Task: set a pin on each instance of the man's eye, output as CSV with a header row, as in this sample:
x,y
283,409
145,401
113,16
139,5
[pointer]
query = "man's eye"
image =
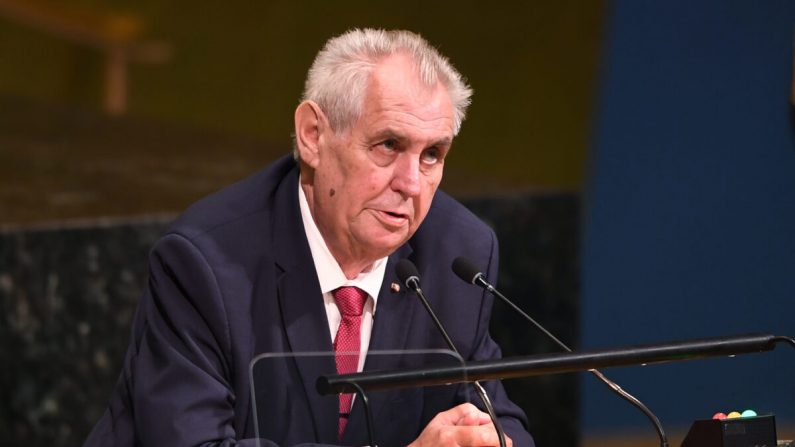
x,y
431,156
390,145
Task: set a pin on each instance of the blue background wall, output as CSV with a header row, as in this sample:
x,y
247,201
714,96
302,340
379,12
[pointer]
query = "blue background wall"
x,y
690,213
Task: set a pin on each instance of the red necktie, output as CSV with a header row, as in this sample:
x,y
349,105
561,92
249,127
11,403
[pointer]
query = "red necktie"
x,y
350,301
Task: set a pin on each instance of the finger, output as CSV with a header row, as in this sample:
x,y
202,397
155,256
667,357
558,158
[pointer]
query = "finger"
x,y
488,434
474,416
477,436
458,415
470,415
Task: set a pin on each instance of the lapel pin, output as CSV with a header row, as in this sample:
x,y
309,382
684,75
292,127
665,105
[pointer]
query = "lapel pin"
x,y
395,287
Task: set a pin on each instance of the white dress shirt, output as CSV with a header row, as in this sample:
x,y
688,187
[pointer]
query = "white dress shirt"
x,y
331,277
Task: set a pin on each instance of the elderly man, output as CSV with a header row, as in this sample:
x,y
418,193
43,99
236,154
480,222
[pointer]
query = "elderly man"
x,y
300,257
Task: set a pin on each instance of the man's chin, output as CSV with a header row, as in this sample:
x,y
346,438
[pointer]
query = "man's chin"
x,y
387,244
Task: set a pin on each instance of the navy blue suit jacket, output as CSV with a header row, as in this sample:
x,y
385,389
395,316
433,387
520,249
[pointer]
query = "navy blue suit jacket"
x,y
233,278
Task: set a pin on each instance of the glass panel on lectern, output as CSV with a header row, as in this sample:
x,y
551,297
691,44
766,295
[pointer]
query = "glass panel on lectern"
x,y
288,408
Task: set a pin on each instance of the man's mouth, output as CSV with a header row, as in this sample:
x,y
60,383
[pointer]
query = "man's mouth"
x,y
393,218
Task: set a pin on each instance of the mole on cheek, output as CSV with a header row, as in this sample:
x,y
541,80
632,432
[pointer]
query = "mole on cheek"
x,y
331,192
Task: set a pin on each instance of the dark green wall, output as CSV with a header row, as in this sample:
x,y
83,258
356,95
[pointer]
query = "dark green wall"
x,y
238,68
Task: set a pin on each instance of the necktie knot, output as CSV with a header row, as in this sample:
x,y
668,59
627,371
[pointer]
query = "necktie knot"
x,y
350,300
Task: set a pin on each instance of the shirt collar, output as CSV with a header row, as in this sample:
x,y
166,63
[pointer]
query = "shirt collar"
x,y
328,270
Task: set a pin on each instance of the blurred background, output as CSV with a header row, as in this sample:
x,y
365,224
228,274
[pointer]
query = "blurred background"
x,y
636,158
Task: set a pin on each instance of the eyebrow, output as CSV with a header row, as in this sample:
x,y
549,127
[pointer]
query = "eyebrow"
x,y
446,141
400,136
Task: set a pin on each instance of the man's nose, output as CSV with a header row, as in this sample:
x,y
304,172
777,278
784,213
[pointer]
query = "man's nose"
x,y
406,177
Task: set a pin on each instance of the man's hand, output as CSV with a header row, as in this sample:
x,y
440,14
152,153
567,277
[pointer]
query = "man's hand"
x,y
462,426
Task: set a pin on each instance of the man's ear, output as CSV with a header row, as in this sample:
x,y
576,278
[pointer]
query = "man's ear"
x,y
310,123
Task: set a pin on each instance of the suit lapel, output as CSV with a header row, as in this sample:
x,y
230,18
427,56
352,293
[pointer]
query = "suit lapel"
x,y
301,304
306,326
394,311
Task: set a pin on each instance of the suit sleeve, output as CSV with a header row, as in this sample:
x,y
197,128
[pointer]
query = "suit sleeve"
x,y
512,418
175,387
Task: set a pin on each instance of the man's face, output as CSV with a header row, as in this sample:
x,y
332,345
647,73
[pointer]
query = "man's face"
x,y
373,184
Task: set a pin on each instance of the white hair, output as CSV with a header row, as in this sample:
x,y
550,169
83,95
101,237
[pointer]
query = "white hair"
x,y
338,78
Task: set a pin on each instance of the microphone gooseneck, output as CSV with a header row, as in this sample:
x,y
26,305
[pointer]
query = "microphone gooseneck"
x,y
468,272
786,339
409,275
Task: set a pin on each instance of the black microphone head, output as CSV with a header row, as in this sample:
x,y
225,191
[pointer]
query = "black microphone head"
x,y
407,273
466,270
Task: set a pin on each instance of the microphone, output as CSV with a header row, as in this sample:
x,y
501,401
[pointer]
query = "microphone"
x,y
409,275
468,272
